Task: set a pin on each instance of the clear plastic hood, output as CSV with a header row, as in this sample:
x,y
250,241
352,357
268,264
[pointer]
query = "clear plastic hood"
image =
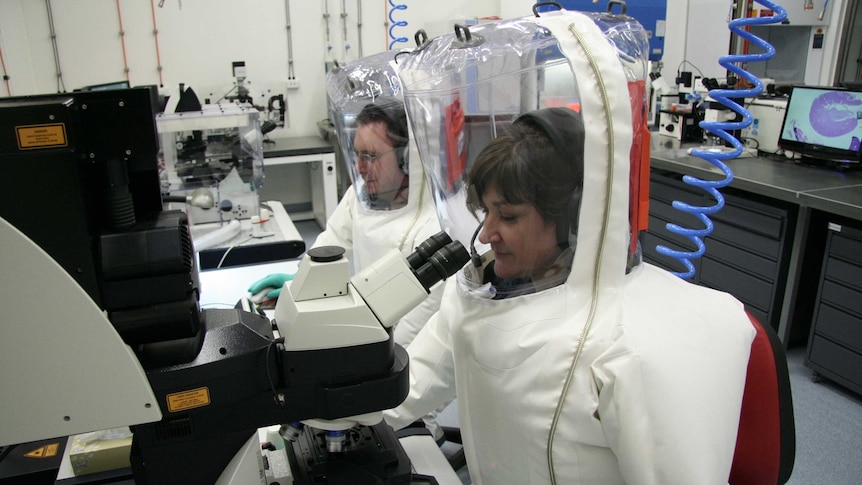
x,y
463,90
367,110
361,81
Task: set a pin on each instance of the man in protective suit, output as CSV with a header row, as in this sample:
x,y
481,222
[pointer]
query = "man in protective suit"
x,y
380,155
387,206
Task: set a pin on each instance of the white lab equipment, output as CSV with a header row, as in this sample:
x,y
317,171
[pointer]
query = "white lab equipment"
x,y
220,148
765,128
124,341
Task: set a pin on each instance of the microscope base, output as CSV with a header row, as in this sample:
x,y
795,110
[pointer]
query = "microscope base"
x,y
372,455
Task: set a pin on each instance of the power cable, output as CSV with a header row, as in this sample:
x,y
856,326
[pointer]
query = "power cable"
x,y
359,26
344,27
290,75
123,41
156,37
5,73
61,86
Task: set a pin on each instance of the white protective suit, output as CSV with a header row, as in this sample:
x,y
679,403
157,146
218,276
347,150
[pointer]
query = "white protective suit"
x,y
364,231
367,234
610,378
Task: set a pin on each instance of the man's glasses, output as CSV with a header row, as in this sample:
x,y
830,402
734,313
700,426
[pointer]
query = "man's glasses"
x,y
371,157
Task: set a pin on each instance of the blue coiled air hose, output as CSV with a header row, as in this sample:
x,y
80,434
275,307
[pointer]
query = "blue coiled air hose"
x,y
720,129
396,23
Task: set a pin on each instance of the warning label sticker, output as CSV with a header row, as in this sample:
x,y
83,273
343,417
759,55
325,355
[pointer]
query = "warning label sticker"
x,y
194,398
45,451
41,136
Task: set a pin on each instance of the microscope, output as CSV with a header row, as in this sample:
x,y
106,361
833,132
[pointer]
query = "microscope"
x,y
103,287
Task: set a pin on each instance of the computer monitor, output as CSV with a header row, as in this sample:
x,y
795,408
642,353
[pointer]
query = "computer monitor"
x,y
824,125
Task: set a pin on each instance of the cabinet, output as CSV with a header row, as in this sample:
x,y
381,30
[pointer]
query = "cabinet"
x,y
319,156
835,341
747,254
810,197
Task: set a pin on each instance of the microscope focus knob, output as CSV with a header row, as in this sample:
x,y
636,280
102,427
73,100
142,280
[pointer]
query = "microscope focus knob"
x,y
326,254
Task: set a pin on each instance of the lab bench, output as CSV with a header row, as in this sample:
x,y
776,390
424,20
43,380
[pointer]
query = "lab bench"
x,y
318,156
278,240
773,246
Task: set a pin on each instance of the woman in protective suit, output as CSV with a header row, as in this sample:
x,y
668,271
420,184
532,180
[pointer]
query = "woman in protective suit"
x,y
525,188
573,362
569,367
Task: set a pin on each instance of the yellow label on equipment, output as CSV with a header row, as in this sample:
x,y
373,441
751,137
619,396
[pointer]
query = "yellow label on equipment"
x,y
194,398
42,136
46,451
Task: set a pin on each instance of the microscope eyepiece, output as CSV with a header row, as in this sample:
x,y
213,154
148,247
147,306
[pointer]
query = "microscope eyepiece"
x,y
445,262
427,249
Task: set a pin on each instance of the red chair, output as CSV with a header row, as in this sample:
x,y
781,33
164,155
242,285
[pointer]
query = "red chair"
x,y
766,442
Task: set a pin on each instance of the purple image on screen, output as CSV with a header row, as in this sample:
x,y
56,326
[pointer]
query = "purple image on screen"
x,y
855,144
834,113
798,134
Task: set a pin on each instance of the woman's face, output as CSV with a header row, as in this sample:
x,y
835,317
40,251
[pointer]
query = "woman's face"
x,y
523,242
376,161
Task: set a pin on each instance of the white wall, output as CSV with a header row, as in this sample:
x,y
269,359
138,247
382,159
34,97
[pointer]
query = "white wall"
x,y
199,39
698,33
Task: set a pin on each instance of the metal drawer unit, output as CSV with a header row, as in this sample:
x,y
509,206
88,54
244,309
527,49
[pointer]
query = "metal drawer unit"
x,y
835,342
747,253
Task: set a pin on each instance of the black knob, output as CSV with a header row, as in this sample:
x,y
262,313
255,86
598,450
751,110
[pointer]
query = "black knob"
x,y
326,254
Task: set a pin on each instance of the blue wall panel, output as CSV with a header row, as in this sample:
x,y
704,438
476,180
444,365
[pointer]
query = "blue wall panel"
x,y
652,14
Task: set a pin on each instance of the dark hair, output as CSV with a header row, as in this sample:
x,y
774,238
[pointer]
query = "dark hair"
x,y
525,166
391,112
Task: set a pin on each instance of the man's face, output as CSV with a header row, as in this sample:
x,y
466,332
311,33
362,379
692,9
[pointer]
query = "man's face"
x,y
377,162
522,241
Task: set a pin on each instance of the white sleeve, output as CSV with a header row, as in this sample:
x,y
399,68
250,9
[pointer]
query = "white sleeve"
x,y
339,226
432,375
410,325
